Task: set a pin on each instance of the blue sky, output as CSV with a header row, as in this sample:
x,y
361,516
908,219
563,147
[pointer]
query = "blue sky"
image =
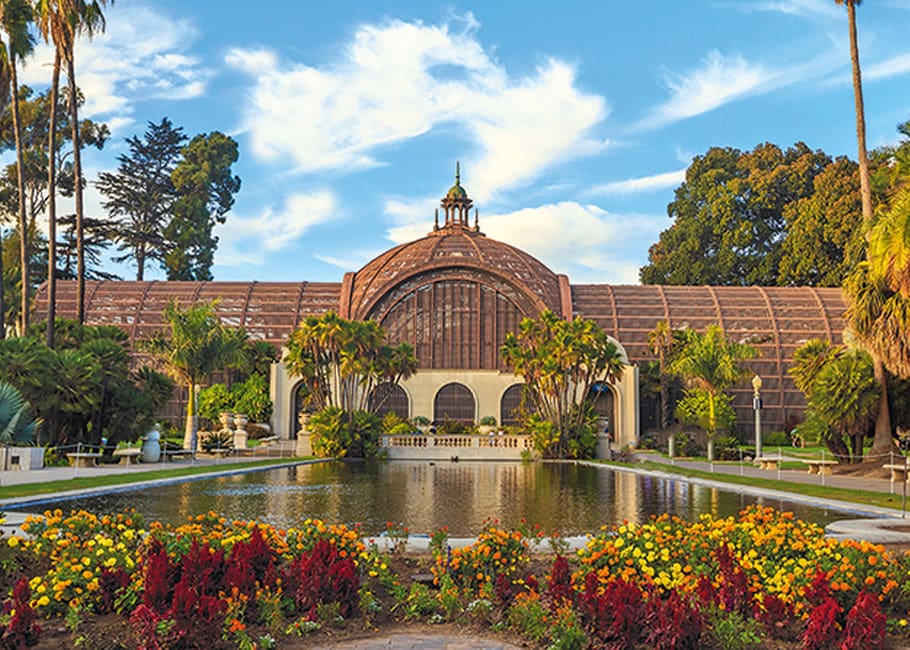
x,y
573,121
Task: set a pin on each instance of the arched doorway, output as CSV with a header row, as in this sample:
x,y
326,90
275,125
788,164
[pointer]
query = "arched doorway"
x,y
456,403
389,397
301,404
509,404
601,398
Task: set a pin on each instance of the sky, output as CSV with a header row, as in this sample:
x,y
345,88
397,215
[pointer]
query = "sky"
x,y
573,122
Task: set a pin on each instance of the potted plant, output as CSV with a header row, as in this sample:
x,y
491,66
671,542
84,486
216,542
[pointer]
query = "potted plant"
x,y
487,425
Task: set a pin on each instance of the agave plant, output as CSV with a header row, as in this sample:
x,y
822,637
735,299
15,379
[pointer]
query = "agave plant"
x,y
17,423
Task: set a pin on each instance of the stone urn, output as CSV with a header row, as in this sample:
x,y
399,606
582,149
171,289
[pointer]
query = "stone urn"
x,y
227,421
151,446
240,434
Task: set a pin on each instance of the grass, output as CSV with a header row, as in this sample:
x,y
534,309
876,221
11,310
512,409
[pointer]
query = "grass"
x,y
863,497
108,480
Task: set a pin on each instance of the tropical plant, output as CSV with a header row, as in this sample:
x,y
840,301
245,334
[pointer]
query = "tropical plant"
x,y
710,364
17,423
342,361
561,361
661,341
195,344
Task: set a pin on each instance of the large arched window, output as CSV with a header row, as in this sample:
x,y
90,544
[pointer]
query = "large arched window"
x,y
508,405
454,402
389,397
452,322
300,405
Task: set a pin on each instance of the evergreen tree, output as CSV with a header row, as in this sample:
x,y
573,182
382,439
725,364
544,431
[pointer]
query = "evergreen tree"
x,y
206,191
141,194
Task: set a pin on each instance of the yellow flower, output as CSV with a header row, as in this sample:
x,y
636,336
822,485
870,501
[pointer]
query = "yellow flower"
x,y
13,542
44,601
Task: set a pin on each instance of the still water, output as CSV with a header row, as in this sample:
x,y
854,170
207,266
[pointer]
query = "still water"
x,y
572,499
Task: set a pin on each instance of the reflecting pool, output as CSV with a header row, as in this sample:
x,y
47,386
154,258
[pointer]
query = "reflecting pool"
x,y
572,499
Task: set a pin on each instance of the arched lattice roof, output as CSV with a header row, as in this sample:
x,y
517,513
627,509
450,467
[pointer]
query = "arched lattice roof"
x,y
453,248
775,320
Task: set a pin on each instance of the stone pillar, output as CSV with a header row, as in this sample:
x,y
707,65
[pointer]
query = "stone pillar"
x,y
240,434
304,447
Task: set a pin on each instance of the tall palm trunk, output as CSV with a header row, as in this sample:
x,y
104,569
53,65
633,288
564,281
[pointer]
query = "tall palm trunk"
x,y
52,205
882,442
77,173
865,187
20,186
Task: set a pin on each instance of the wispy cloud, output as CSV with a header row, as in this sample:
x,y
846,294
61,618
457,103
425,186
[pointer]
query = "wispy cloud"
x,y
250,240
805,8
141,56
584,241
720,80
891,67
641,185
396,81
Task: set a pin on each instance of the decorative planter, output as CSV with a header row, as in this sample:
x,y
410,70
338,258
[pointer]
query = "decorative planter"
x,y
227,419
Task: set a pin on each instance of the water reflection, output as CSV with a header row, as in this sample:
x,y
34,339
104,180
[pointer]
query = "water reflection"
x,y
572,499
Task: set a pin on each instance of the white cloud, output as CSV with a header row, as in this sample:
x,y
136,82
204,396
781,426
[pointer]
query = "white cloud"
x,y
140,56
250,240
891,67
806,8
583,241
720,79
640,185
397,81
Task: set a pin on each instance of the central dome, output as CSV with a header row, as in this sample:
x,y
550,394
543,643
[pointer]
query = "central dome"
x,y
452,251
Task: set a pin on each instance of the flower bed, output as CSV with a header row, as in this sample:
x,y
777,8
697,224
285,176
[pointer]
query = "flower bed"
x,y
761,579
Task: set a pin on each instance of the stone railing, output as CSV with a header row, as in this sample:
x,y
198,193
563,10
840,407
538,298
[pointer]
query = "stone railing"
x,y
461,447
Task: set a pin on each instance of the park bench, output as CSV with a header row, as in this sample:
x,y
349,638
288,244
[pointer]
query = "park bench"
x,y
83,458
176,454
268,440
898,472
129,455
769,462
820,466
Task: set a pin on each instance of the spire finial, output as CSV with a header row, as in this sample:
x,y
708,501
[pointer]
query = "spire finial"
x,y
458,172
436,225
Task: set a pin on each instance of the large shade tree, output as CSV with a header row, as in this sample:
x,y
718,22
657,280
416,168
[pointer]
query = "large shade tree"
x,y
561,362
194,345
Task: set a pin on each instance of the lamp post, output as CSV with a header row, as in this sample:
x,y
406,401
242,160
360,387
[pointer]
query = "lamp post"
x,y
756,406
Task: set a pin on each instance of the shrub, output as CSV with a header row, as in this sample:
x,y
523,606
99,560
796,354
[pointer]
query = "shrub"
x,y
672,623
322,576
217,440
776,439
213,401
338,434
488,421
251,397
865,628
613,615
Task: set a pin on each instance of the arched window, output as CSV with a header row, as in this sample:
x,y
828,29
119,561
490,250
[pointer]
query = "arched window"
x,y
389,397
300,405
508,405
454,402
601,397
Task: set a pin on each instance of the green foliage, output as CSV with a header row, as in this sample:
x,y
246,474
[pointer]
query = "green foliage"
x,y
213,401
17,424
709,365
392,424
729,217
561,361
454,428
140,195
732,631
488,421
205,189
251,397
194,344
337,434
342,361
83,389
776,439
695,409
217,440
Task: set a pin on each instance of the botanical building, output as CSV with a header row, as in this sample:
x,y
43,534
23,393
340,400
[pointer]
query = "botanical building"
x,y
456,293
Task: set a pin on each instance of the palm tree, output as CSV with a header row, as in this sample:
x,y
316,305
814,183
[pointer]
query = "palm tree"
x,y
87,18
660,343
889,244
17,423
15,17
53,30
196,345
865,186
710,364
